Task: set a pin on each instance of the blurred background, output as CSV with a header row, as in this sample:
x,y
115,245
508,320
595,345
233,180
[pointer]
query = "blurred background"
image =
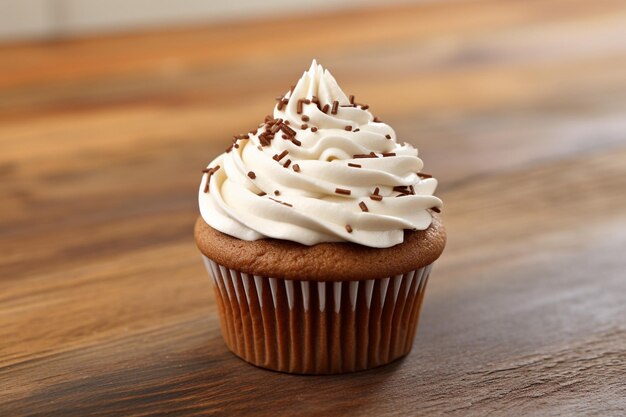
x,y
110,109
479,86
42,19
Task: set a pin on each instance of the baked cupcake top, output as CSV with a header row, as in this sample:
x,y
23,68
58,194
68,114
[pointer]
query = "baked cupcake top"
x,y
321,169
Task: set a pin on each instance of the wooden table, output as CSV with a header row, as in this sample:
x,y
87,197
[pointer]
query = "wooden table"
x,y
518,107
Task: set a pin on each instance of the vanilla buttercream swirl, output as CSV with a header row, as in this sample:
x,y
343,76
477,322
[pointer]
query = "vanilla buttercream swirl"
x,y
341,177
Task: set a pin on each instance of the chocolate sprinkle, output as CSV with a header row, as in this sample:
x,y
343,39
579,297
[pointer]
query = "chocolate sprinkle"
x,y
299,107
348,128
288,130
365,155
209,173
349,228
401,188
305,118
276,192
424,175
304,126
376,191
356,130
281,202
389,154
376,197
325,108
287,163
313,129
296,142
363,207
252,175
351,99
436,209
343,191
335,106
365,107
281,156
350,164
388,136
296,167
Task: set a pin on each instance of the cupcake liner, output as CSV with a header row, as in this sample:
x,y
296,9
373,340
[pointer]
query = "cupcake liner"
x,y
315,327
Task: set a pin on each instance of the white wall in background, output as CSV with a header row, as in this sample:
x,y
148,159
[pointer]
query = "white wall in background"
x,y
27,19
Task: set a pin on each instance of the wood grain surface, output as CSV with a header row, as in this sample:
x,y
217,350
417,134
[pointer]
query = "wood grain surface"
x,y
519,109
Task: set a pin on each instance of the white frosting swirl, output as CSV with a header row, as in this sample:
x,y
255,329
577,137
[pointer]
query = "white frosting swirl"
x,y
311,206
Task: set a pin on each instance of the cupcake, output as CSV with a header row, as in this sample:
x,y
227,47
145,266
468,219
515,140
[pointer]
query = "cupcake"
x,y
319,230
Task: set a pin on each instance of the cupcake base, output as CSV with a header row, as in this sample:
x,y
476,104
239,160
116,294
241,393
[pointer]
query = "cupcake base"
x,y
318,327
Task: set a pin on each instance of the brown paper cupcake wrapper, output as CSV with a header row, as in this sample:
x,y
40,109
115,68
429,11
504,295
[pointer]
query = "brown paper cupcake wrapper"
x,y
313,327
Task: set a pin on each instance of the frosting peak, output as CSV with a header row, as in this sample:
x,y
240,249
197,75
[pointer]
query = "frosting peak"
x,y
322,169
